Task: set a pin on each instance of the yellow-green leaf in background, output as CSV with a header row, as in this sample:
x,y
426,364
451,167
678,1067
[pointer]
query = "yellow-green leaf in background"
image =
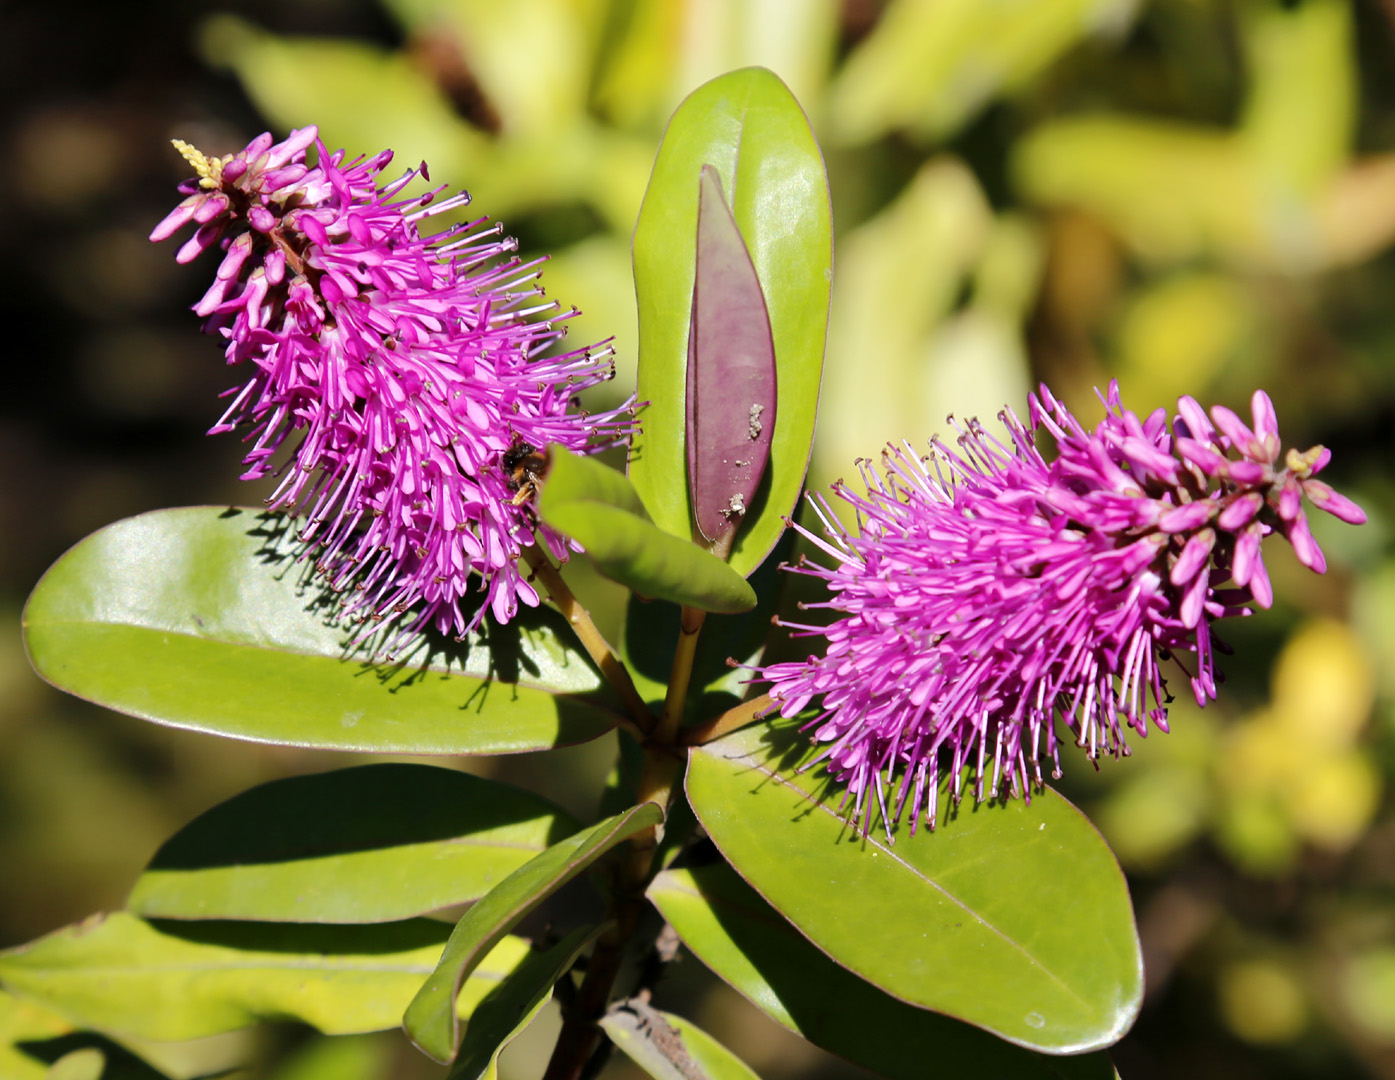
x,y
170,981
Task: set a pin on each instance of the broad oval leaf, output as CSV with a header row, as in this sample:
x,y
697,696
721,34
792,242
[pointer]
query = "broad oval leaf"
x,y
170,981
980,920
668,1047
648,560
749,128
727,926
373,843
201,618
731,371
429,1021
512,1005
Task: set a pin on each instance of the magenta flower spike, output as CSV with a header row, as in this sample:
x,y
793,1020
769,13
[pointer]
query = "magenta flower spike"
x,y
414,372
990,593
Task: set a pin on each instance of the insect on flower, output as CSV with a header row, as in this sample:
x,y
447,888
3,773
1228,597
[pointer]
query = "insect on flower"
x,y
524,466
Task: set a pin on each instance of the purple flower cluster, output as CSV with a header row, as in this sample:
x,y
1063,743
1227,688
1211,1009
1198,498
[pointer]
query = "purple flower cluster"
x,y
990,592
414,369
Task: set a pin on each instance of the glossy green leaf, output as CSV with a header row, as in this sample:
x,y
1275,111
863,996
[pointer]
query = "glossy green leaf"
x,y
731,371
580,478
748,126
369,844
979,920
430,1022
167,981
726,924
625,546
513,1004
668,1047
201,618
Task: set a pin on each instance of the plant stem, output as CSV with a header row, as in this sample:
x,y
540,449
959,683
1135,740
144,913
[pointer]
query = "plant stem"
x,y
680,675
738,716
591,638
581,1032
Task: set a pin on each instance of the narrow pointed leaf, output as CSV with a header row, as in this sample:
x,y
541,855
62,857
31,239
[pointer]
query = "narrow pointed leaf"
x,y
368,844
727,926
731,370
629,549
513,1004
430,1021
201,618
668,1047
980,920
170,981
749,128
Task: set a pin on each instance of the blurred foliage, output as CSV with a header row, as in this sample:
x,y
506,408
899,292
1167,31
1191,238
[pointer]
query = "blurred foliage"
x,y
1189,195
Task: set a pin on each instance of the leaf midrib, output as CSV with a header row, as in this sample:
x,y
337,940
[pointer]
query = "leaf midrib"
x,y
873,841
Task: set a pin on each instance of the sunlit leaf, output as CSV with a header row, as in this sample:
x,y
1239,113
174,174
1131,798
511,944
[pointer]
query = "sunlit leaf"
x,y
201,618
368,844
627,547
22,1025
430,1022
513,1004
169,981
89,1063
978,920
740,937
748,127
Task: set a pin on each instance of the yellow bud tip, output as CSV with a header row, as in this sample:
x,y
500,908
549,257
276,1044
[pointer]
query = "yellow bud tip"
x,y
210,170
1302,464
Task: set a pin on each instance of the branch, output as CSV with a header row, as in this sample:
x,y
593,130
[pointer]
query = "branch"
x,y
591,638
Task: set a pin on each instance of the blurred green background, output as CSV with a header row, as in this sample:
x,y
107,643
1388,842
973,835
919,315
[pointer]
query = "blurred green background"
x,y
1193,196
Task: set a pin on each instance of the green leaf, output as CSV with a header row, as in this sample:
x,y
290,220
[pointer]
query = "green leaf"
x,y
169,981
201,618
368,844
980,920
580,478
430,1022
669,1047
512,1005
739,936
85,1064
625,546
651,631
24,1024
748,126
930,68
